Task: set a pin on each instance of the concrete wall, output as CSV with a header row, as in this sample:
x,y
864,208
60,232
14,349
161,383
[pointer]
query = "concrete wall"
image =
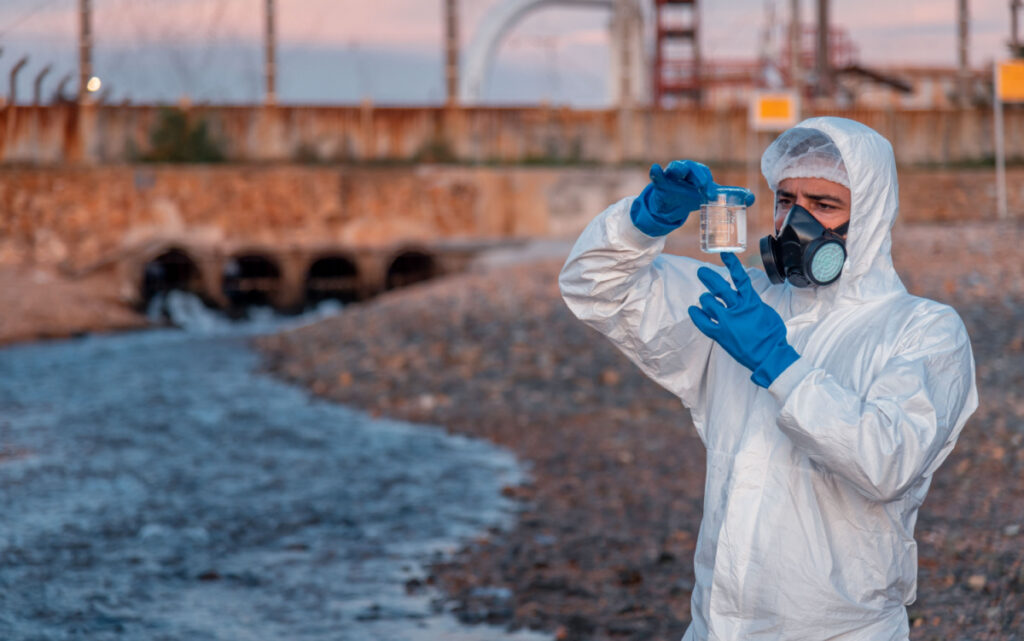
x,y
80,217
77,217
111,134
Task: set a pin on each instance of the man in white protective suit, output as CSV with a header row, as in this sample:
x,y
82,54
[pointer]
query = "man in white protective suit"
x,y
825,394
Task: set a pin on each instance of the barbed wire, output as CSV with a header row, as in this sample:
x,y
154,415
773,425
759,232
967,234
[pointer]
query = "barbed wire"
x,y
28,15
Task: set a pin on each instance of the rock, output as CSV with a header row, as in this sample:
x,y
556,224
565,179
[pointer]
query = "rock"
x,y
492,593
484,611
413,586
666,557
427,401
630,576
610,377
682,586
155,533
545,539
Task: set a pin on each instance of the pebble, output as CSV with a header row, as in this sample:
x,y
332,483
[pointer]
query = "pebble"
x,y
545,539
492,592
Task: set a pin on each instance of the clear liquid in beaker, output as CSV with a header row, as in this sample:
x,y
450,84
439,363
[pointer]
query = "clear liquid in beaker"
x,y
723,227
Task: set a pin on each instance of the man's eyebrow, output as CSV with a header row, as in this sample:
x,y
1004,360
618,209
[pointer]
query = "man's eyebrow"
x,y
785,194
834,199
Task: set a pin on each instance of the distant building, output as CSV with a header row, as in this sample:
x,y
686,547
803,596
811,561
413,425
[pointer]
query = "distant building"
x,y
910,87
731,83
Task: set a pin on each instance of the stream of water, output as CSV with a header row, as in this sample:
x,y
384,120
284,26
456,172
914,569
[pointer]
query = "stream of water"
x,y
154,486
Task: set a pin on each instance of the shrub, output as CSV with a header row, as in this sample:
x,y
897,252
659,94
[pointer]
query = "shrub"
x,y
178,138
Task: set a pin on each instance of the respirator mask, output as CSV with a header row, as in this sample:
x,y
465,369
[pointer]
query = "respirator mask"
x,y
804,252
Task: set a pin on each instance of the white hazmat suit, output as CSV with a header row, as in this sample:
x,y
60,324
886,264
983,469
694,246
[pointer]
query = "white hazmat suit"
x,y
812,485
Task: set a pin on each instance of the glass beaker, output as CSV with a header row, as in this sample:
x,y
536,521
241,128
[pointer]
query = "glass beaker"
x,y
723,222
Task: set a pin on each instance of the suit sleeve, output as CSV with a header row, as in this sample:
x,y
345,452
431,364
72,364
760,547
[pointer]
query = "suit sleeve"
x,y
895,435
617,281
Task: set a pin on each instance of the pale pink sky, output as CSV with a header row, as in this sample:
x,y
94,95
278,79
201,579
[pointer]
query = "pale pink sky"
x,y
897,30
887,32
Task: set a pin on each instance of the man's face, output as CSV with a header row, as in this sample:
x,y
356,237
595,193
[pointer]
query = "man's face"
x,y
827,201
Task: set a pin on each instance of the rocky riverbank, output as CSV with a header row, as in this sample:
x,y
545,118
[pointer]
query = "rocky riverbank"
x,y
604,545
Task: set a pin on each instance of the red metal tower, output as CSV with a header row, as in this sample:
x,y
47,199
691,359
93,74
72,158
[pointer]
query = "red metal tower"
x,y
677,68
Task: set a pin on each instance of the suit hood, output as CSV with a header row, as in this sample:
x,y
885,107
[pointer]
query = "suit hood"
x,y
868,272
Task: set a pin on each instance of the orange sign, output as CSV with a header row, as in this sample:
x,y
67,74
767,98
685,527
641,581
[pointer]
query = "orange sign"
x,y
774,110
1010,81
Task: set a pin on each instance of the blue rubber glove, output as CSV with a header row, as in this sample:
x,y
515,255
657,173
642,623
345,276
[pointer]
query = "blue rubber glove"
x,y
745,326
672,194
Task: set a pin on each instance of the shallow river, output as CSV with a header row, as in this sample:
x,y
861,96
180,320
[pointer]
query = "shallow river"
x,y
153,486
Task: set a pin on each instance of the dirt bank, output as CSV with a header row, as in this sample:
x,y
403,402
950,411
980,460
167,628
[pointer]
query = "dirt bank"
x,y
38,303
605,543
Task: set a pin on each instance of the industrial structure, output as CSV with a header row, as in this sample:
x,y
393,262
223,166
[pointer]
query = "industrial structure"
x,y
656,55
677,61
628,56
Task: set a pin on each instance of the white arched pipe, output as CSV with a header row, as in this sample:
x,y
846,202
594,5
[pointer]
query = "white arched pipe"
x,y
492,30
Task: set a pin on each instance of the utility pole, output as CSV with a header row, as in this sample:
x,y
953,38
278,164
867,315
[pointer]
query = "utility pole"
x,y
84,49
451,50
625,28
1016,47
270,62
824,70
625,59
795,44
766,54
964,74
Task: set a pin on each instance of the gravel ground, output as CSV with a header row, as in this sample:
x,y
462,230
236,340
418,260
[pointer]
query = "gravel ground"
x,y
605,543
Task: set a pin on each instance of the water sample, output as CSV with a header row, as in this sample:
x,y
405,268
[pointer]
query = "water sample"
x,y
723,222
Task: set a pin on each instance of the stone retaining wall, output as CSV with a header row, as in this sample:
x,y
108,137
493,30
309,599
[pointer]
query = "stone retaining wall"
x,y
77,217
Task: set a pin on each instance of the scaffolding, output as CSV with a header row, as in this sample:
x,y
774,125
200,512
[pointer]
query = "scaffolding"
x,y
677,64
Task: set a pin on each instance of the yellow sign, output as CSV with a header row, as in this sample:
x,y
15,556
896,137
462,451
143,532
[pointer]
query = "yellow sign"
x,y
1010,81
774,110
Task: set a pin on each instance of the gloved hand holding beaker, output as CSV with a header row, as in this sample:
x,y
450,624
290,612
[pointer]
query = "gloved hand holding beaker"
x,y
672,194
